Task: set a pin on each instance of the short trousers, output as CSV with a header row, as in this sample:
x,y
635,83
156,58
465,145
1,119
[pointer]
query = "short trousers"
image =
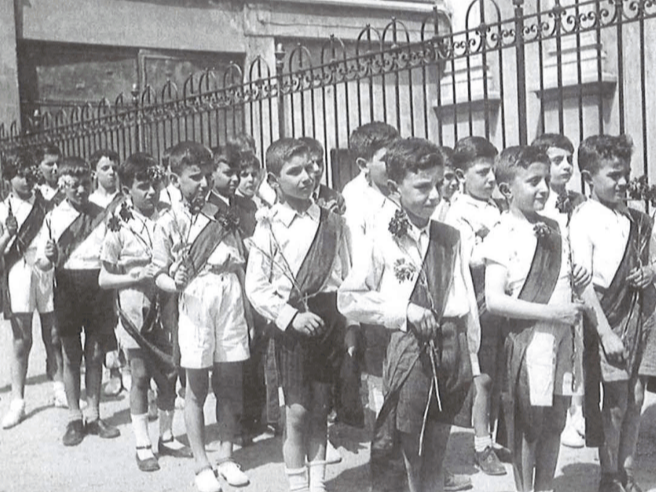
x,y
30,289
136,304
80,303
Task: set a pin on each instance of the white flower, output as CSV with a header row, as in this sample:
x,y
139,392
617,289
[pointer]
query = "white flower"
x,y
264,214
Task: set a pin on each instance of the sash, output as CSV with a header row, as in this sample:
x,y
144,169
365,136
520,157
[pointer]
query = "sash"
x,y
538,288
56,199
83,225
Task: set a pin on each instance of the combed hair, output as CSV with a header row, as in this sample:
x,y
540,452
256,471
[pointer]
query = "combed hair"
x,y
136,167
16,162
99,154
244,142
468,149
73,166
44,150
410,155
447,155
313,144
249,159
281,151
603,147
514,158
187,154
368,139
226,153
555,140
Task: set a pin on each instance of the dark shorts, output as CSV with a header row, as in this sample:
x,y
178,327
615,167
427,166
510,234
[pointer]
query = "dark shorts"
x,y
490,352
81,303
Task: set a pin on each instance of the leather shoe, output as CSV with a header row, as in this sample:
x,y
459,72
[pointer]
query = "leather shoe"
x,y
488,462
454,483
164,450
610,483
101,429
149,464
74,433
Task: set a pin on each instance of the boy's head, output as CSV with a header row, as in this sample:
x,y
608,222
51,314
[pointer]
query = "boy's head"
x,y
450,184
291,172
141,179
560,150
415,168
250,174
225,176
368,145
523,177
75,180
243,142
47,156
21,171
473,160
104,164
605,164
191,172
316,156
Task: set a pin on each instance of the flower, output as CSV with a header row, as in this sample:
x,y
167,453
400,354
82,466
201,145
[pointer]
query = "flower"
x,y
404,270
541,229
228,220
564,204
264,214
399,224
155,174
125,213
114,223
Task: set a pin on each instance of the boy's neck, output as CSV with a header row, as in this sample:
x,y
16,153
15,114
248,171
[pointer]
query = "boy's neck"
x,y
79,207
559,189
529,215
149,213
297,205
474,197
105,191
618,207
418,222
21,196
225,196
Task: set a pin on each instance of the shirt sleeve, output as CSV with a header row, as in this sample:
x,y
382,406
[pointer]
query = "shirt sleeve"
x,y
495,248
42,238
582,248
260,290
111,248
162,246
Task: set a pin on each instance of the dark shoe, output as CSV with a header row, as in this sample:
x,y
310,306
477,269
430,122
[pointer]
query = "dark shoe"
x,y
164,450
147,465
453,483
101,429
74,433
629,482
610,483
503,453
488,462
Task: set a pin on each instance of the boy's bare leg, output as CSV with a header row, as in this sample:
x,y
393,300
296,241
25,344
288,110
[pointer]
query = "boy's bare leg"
x,y
481,405
523,462
631,426
21,327
72,355
195,396
93,358
613,413
548,445
294,447
52,344
318,428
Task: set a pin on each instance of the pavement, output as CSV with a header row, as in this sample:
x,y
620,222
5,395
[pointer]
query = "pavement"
x,y
32,457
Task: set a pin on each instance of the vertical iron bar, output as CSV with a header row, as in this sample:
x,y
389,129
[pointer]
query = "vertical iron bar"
x,y
619,8
600,75
521,72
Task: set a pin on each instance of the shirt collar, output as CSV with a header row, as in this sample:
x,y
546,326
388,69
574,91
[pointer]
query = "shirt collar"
x,y
471,201
286,215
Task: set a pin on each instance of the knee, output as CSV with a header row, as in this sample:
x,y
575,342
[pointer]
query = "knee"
x,y
22,346
554,423
297,418
140,377
483,385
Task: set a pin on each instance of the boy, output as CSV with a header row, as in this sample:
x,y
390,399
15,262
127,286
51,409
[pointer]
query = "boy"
x,y
450,185
26,289
412,281
527,280
297,260
225,177
126,266
47,157
323,195
265,196
198,253
245,200
613,241
560,205
70,243
474,213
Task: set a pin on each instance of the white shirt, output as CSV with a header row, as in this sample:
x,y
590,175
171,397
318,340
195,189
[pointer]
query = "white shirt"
x,y
102,198
279,246
20,209
47,191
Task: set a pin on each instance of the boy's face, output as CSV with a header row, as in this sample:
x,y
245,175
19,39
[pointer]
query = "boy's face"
x,y
48,168
194,183
106,174
450,184
479,180
561,166
376,169
610,181
249,180
144,195
296,180
21,186
225,179
77,189
418,192
530,188
320,167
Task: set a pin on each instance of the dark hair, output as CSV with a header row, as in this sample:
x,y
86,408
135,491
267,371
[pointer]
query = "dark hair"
x,y
249,159
20,161
313,144
513,158
368,139
166,156
281,151
44,150
73,166
187,154
468,149
553,140
243,141
447,155
226,153
99,154
410,155
137,167
603,147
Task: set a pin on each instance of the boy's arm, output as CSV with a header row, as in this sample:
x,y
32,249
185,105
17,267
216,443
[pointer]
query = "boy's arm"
x,y
163,258
473,321
110,275
44,258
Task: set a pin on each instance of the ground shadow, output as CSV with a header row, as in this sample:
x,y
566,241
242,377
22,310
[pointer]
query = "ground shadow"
x,y
32,380
350,438
122,417
578,477
352,480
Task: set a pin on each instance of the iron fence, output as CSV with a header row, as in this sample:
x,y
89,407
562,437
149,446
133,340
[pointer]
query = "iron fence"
x,y
512,72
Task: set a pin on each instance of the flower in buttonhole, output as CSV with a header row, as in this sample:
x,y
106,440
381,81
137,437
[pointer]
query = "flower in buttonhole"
x,y
541,229
399,224
114,223
125,212
228,220
404,270
564,204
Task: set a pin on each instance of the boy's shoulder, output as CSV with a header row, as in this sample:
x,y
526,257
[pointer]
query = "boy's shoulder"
x,y
245,203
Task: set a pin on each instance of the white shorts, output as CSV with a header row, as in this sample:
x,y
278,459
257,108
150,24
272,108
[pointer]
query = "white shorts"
x,y
30,288
212,325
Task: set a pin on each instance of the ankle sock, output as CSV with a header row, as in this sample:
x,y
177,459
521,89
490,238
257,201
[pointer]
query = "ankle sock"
x,y
317,475
298,479
92,413
74,415
165,423
482,443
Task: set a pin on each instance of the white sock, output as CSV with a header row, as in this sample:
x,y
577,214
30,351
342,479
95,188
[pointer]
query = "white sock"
x,y
141,436
298,479
317,476
165,424
482,443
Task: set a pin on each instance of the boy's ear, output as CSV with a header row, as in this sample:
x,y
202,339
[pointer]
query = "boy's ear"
x,y
393,187
587,177
125,190
504,189
362,163
272,179
174,179
460,175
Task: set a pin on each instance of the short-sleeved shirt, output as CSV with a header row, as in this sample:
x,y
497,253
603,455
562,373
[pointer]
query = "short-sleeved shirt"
x,y
20,209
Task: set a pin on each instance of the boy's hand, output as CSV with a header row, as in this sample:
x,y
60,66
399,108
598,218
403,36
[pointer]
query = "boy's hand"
x,y
12,225
51,251
148,273
308,323
423,320
581,278
641,277
613,347
568,314
181,277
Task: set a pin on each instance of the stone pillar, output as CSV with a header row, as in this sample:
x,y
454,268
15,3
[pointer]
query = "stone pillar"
x,y
9,95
